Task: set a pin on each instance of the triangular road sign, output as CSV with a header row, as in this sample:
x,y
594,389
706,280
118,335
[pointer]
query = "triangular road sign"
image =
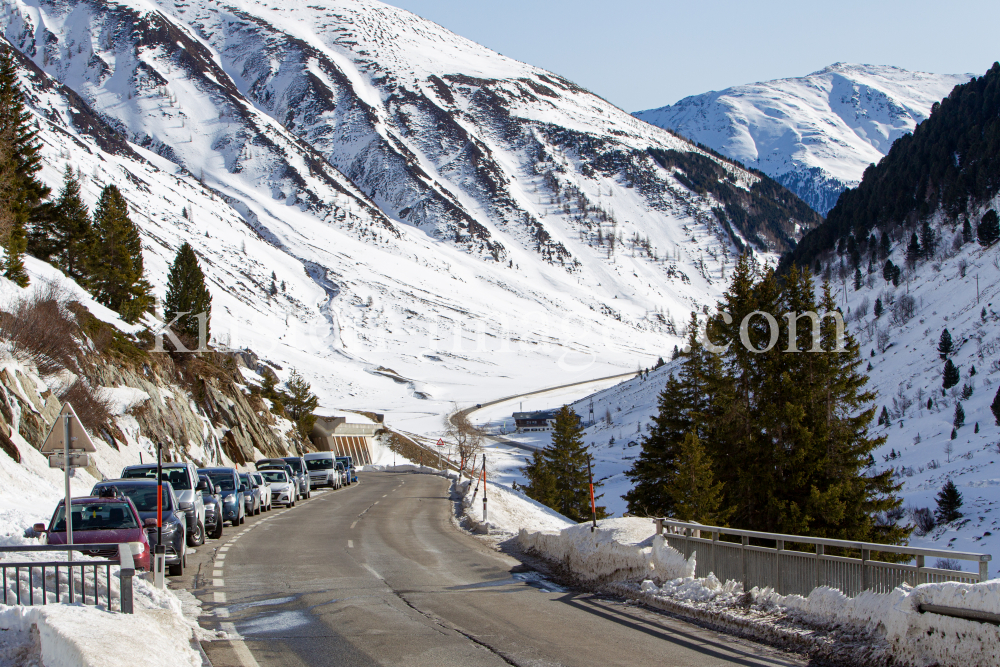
x,y
440,443
78,438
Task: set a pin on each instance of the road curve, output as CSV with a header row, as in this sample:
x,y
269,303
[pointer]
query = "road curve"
x,y
379,574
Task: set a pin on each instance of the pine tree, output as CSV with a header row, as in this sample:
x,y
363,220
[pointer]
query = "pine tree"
x,y
930,403
565,460
995,407
959,420
928,240
692,491
21,193
949,501
945,346
966,231
951,375
883,417
187,292
976,429
913,251
115,259
878,308
888,271
64,235
989,229
857,279
300,403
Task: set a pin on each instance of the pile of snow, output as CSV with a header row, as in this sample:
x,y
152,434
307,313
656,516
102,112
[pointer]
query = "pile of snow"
x,y
619,549
508,511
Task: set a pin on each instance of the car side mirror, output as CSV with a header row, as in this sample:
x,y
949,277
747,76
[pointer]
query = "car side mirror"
x,y
243,488
149,523
39,528
201,486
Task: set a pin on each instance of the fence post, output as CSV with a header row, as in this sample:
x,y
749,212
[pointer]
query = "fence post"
x,y
687,546
865,556
920,567
715,552
126,569
779,546
659,526
744,543
984,569
820,550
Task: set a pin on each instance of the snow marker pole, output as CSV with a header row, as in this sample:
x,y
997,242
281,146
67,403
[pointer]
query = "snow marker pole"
x,y
593,506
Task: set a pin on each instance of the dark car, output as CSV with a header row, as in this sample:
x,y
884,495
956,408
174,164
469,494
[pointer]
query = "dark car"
x,y
228,482
299,471
348,465
183,476
142,493
213,507
100,521
251,493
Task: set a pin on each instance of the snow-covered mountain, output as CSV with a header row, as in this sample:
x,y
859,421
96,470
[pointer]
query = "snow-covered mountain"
x,y
433,216
814,134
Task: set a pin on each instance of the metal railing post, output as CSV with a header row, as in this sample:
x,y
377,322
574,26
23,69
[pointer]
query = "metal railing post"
x,y
820,564
744,543
779,546
715,553
984,569
865,557
920,567
687,546
126,572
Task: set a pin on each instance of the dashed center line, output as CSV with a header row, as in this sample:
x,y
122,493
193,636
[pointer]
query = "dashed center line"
x,y
350,544
219,597
218,582
353,525
216,573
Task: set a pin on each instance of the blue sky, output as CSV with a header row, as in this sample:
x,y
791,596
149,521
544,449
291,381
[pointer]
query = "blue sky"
x,y
641,54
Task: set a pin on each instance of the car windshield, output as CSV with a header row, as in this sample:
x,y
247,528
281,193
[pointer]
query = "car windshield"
x,y
274,475
295,463
143,497
223,480
319,464
177,477
97,516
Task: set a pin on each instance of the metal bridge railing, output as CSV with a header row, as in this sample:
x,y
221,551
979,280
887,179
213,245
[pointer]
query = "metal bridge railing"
x,y
809,566
80,580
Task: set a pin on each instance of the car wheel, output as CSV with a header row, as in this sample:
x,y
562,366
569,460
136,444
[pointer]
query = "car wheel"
x,y
199,534
217,533
176,570
258,510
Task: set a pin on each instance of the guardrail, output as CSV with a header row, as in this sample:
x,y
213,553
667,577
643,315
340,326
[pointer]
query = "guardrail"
x,y
800,571
75,573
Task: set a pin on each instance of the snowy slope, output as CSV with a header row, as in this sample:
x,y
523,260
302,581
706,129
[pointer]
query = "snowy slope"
x,y
433,215
814,134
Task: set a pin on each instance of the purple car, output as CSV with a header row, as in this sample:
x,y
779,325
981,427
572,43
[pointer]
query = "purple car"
x,y
100,521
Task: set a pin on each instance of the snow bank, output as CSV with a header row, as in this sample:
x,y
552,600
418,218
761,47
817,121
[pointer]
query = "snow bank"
x,y
508,510
620,549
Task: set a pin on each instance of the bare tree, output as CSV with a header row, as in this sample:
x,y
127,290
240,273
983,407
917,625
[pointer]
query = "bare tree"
x,y
882,340
468,437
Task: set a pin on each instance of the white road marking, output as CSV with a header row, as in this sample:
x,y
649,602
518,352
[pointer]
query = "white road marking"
x,y
216,573
219,582
224,549
219,597
219,557
222,612
372,570
244,654
353,525
350,544
385,495
376,502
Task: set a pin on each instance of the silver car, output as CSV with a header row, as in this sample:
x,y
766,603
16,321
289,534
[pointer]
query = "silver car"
x,y
265,491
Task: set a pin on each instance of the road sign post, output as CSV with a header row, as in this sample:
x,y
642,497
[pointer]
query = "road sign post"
x,y
67,445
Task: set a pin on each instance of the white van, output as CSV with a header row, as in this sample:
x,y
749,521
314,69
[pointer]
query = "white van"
x,y
322,469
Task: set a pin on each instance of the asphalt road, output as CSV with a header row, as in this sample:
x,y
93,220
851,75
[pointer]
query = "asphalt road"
x,y
379,574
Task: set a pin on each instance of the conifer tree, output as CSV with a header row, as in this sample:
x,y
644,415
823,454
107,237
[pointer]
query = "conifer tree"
x,y
966,231
928,240
945,346
989,229
949,501
913,251
883,417
541,483
63,234
878,310
188,293
951,375
300,403
884,246
692,491
995,407
888,270
857,279
20,191
959,420
565,460
115,259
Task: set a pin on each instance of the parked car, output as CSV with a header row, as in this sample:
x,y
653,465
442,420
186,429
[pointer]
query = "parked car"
x,y
342,470
283,487
212,498
251,493
228,482
346,460
298,471
142,493
322,467
277,464
100,521
265,491
183,477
